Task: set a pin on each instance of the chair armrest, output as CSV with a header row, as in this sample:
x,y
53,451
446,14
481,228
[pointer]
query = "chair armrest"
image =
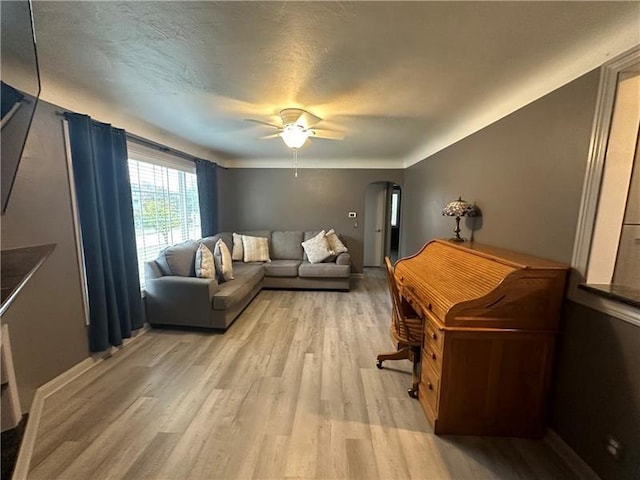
x,y
343,259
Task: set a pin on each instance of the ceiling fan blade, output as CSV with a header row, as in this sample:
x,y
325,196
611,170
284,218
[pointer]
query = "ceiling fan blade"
x,y
326,134
308,119
273,135
263,123
298,116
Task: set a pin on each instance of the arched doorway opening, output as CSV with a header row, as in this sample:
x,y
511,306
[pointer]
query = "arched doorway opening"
x,y
381,223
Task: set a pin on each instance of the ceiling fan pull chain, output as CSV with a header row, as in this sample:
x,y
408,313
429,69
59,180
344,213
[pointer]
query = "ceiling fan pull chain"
x,y
295,162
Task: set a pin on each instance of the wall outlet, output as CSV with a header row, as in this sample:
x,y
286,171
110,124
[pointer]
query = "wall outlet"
x,y
613,447
353,214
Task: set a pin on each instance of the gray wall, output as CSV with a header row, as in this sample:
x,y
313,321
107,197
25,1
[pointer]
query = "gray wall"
x,y
274,199
525,172
46,322
597,389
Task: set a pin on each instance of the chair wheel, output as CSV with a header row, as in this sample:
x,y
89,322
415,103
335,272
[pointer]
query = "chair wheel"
x,y
413,393
379,364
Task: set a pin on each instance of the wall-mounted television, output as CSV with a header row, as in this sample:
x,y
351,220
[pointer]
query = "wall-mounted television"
x,y
19,87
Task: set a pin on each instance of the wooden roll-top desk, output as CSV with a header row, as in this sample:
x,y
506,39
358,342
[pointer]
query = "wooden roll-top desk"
x,y
491,317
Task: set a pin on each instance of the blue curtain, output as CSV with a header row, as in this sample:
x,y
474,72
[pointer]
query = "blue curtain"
x,y
103,191
9,96
207,173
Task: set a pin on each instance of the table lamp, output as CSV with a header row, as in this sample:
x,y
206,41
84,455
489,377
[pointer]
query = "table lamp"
x,y
459,208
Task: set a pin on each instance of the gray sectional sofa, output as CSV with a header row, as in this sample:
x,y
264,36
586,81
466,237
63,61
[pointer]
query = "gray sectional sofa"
x,y
175,296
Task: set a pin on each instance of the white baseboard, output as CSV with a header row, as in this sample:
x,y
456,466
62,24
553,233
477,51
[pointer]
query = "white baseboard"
x,y
25,453
571,458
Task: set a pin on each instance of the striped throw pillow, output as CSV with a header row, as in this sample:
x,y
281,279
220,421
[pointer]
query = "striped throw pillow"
x,y
256,249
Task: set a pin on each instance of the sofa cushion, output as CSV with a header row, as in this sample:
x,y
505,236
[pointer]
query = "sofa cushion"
x,y
223,262
311,234
286,245
246,277
282,268
317,248
204,264
179,259
330,270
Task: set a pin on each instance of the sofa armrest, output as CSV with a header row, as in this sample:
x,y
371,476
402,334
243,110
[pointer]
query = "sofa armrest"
x,y
173,300
152,270
182,289
343,259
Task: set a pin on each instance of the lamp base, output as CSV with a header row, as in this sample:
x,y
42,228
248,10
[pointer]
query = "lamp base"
x,y
457,238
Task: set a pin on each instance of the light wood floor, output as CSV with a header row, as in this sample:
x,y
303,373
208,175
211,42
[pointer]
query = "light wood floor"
x,y
291,390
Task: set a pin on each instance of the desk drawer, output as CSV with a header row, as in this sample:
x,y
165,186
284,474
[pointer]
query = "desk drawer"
x,y
433,336
429,388
432,357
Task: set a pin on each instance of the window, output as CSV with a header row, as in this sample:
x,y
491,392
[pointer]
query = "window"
x,y
395,203
165,202
607,253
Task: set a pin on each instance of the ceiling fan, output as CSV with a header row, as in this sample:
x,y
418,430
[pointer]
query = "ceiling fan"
x,y
298,126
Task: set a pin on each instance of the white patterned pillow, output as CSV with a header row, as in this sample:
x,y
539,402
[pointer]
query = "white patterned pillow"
x,y
335,244
204,262
224,264
317,248
238,252
256,249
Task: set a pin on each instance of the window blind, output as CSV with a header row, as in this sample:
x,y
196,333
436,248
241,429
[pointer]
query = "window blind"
x,y
165,208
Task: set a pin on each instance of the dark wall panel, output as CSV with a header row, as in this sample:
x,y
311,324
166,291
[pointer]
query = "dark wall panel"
x,y
270,198
46,322
525,172
597,390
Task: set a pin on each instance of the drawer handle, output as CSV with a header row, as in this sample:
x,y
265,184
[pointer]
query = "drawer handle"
x,y
429,386
434,336
430,307
433,356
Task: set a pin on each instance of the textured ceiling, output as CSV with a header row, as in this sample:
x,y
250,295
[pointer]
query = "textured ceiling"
x,y
401,79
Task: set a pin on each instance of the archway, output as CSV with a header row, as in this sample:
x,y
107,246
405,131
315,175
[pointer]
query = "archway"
x,y
381,223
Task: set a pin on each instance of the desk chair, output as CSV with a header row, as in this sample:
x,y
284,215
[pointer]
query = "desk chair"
x,y
406,330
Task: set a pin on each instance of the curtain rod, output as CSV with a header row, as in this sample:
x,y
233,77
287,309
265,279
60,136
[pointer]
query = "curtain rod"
x,y
151,144
160,147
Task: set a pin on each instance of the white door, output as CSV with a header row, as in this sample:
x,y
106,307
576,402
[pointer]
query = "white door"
x,y
374,234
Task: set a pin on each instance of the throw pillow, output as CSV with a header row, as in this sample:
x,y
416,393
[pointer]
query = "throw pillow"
x,y
256,249
335,244
238,252
317,248
224,264
204,262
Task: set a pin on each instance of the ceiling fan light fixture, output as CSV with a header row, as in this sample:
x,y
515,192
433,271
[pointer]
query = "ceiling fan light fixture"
x,y
294,135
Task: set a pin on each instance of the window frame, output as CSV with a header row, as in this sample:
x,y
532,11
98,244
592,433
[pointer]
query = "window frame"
x,y
141,153
591,191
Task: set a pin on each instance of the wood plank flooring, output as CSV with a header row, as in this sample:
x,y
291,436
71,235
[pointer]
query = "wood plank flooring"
x,y
291,390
